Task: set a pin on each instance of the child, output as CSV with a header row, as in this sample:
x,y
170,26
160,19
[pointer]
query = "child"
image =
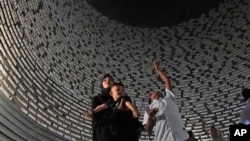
x,y
118,94
124,116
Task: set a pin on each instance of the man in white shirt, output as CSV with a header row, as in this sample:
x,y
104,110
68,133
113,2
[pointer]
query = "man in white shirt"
x,y
245,114
163,114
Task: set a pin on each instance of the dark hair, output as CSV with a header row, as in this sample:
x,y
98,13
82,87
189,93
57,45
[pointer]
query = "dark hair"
x,y
190,133
117,84
107,75
246,93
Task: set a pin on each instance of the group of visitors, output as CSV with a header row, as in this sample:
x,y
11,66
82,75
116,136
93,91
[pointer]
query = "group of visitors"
x,y
115,117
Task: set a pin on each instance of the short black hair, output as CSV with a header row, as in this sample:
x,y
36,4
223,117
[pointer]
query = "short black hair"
x,y
117,84
246,93
107,75
190,133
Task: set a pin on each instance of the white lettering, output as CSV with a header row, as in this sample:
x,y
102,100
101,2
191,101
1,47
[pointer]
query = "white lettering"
x,y
240,132
243,131
237,132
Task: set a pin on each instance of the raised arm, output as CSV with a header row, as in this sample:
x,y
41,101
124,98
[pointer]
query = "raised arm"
x,y
164,77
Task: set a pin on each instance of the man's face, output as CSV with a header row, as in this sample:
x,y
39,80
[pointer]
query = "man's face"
x,y
107,82
155,95
117,91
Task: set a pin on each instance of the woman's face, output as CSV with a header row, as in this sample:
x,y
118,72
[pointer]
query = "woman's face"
x,y
107,82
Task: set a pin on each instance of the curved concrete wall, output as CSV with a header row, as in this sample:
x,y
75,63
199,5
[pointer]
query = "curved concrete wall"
x,y
54,53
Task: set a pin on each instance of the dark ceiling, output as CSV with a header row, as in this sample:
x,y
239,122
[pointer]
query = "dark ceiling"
x,y
153,13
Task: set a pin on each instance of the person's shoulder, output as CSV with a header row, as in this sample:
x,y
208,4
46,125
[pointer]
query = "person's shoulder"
x,y
96,97
169,94
167,90
126,98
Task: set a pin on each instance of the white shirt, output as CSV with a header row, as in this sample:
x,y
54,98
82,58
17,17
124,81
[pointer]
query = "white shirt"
x,y
168,124
245,114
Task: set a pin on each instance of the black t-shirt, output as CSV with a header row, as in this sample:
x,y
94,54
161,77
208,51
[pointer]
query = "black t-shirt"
x,y
124,126
101,120
114,104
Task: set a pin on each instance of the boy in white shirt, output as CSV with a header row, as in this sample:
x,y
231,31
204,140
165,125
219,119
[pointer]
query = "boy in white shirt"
x,y
163,113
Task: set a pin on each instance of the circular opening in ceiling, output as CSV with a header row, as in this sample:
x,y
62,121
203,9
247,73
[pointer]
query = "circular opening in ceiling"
x,y
153,13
